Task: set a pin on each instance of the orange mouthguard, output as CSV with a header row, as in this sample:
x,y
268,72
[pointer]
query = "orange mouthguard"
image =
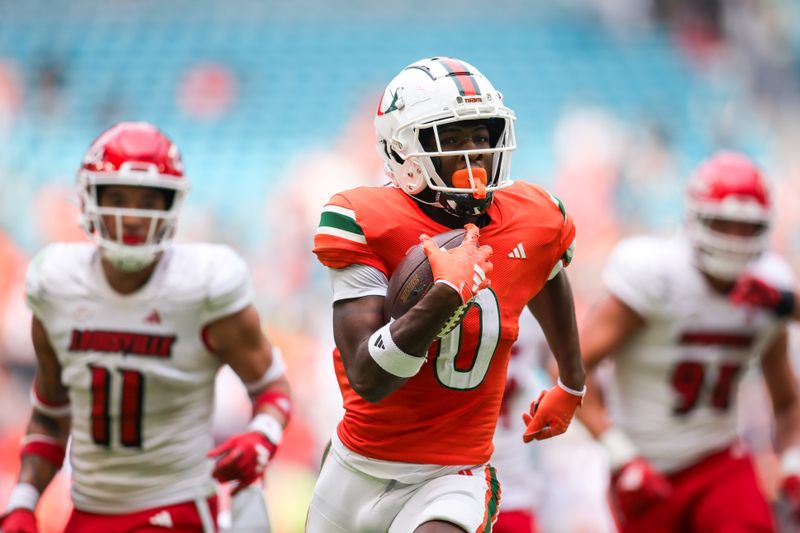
x,y
461,179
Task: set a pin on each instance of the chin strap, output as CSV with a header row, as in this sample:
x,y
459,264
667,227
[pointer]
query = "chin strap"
x,y
459,205
463,204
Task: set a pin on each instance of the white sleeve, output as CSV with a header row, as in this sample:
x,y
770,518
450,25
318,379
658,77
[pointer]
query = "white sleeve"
x,y
34,284
356,281
632,274
230,287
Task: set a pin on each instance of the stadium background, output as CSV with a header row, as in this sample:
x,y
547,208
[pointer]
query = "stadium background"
x,y
271,103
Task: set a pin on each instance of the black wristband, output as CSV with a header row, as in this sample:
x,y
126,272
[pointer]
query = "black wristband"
x,y
786,304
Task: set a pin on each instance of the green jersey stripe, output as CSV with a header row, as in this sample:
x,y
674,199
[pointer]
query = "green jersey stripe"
x,y
325,454
567,257
494,500
560,205
340,221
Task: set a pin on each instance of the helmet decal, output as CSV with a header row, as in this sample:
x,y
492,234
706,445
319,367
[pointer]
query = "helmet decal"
x,y
392,105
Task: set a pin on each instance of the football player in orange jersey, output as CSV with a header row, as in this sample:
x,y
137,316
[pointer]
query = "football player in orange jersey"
x,y
130,331
681,338
411,453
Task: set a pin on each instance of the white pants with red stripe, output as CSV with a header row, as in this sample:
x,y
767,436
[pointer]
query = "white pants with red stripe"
x,y
356,494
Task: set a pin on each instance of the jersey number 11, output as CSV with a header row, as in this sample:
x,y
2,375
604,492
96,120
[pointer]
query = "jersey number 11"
x,y
130,413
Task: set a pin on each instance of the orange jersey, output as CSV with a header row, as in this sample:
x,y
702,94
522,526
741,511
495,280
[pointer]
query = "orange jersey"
x,y
447,413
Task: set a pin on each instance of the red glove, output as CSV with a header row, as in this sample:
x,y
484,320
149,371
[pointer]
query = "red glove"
x,y
19,521
750,290
463,268
637,486
242,458
550,415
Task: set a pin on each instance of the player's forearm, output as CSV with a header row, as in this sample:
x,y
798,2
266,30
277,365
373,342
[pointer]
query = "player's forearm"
x,y
35,469
787,427
369,380
415,331
37,472
593,414
407,338
555,312
570,367
272,404
278,396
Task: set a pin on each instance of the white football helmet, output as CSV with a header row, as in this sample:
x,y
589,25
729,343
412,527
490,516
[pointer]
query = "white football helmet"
x,y
728,187
131,154
425,96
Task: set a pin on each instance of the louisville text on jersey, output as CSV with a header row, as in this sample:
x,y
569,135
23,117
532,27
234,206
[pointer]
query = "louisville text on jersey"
x,y
124,342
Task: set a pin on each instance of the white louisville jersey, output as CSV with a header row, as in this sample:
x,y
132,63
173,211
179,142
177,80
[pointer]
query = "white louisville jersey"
x,y
675,384
140,378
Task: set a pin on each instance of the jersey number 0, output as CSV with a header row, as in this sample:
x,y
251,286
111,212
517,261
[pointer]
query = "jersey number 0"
x,y
447,372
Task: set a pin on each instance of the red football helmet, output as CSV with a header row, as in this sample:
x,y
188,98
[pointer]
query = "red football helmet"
x,y
728,188
133,154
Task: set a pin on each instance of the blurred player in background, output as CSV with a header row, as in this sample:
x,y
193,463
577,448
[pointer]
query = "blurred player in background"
x,y
412,451
129,332
680,347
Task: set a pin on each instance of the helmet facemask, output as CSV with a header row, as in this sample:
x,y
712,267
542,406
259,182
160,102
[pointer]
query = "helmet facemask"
x,y
468,191
721,254
124,253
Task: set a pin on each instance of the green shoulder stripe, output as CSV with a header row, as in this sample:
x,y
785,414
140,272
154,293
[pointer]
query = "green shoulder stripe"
x,y
559,204
567,256
340,218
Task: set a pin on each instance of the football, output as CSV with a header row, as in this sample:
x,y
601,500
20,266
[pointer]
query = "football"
x,y
413,276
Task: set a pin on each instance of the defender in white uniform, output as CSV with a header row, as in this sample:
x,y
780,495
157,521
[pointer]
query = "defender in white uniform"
x,y
680,374
680,348
130,332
